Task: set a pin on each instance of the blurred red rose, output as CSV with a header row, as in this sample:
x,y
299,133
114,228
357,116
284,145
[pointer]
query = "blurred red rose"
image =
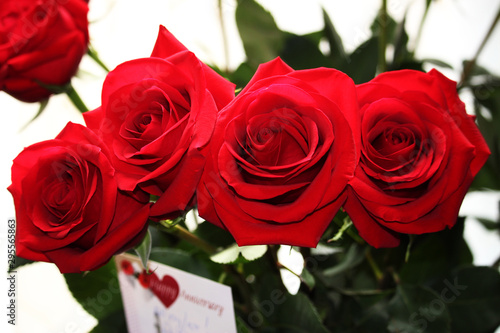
x,y
145,278
69,210
420,151
281,155
126,267
157,116
41,43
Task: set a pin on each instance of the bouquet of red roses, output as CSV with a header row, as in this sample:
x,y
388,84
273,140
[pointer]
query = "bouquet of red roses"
x,y
363,174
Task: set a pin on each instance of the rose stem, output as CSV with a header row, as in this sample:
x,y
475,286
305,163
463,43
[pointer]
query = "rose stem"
x,y
93,54
470,65
355,237
376,270
75,99
382,38
421,26
184,234
224,38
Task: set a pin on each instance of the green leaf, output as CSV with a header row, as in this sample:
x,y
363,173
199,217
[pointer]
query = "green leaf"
x,y
477,70
213,234
363,62
487,111
160,238
401,53
473,299
415,309
143,250
408,247
308,279
19,262
487,177
227,256
351,316
241,76
390,25
300,52
337,51
114,323
434,255
489,224
437,62
353,257
373,319
298,314
70,91
231,254
182,260
253,252
43,105
97,291
261,37
315,37
241,326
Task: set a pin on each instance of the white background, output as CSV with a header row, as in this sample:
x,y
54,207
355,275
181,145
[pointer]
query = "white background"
x,y
127,29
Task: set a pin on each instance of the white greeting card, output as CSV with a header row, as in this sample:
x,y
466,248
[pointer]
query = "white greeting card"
x,y
168,300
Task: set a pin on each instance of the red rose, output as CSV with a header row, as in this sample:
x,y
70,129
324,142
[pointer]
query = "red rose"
x,y
419,153
41,42
157,115
145,278
126,267
68,207
281,155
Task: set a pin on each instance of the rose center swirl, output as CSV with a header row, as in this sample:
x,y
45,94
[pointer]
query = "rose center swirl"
x,y
278,138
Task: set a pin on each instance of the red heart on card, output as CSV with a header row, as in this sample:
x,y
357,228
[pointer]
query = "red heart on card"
x,y
166,289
